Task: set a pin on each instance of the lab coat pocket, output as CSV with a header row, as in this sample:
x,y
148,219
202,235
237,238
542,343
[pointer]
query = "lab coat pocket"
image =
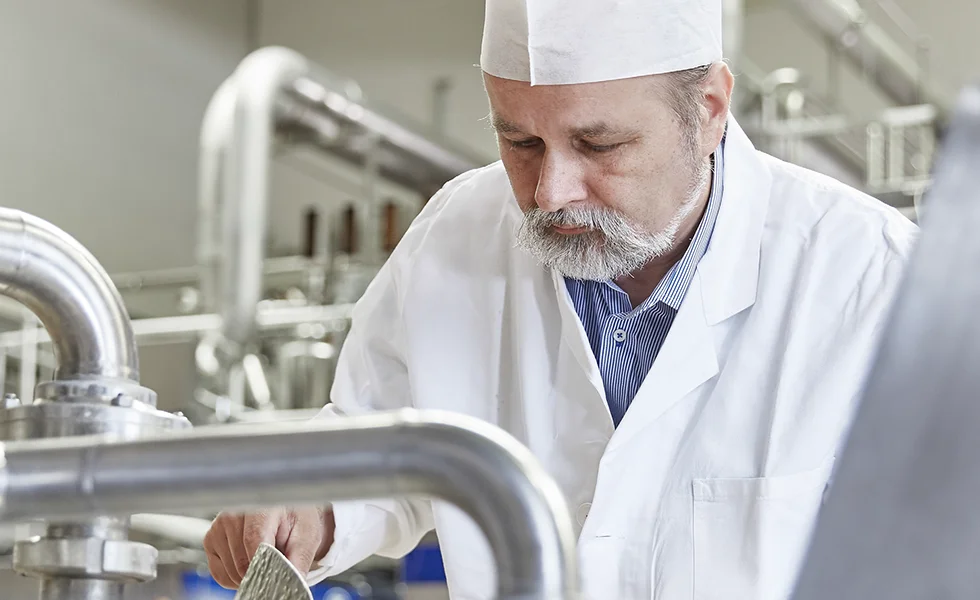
x,y
601,558
750,535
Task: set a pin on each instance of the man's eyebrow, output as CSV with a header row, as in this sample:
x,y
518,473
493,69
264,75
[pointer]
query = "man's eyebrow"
x,y
600,129
501,126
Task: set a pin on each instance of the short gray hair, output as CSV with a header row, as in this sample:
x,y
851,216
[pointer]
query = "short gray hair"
x,y
685,94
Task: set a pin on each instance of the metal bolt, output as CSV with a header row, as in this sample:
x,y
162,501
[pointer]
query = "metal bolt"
x,y
121,400
11,401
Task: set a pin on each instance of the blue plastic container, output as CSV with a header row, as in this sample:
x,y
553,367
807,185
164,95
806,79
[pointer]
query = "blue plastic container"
x,y
203,587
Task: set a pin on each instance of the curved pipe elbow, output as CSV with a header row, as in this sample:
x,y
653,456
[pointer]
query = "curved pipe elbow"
x,y
54,276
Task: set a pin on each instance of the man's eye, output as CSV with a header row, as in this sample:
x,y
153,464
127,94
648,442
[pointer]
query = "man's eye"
x,y
523,143
602,148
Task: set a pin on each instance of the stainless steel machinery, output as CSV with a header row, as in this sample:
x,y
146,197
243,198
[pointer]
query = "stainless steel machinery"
x,y
96,391
277,97
91,449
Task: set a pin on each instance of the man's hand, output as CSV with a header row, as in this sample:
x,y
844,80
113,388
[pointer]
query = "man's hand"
x,y
304,535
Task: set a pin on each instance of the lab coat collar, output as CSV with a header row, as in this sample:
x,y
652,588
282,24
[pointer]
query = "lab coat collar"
x,y
724,284
730,268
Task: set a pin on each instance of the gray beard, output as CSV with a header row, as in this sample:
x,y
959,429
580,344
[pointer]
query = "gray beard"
x,y
611,248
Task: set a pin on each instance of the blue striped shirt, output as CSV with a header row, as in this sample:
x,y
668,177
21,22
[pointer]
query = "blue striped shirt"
x,y
625,340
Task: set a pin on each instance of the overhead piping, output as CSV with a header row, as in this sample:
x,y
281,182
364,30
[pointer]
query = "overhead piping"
x,y
845,24
276,89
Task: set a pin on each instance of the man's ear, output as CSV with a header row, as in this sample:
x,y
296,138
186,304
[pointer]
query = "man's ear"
x,y
717,88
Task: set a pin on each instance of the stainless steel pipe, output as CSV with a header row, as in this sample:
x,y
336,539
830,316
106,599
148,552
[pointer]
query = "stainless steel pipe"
x,y
83,589
45,269
258,82
894,71
456,458
187,328
216,133
274,89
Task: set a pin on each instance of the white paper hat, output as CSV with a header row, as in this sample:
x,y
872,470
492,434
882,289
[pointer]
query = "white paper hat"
x,y
549,42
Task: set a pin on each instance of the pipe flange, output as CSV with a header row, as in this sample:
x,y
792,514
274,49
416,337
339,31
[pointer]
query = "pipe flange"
x,y
93,558
115,392
66,419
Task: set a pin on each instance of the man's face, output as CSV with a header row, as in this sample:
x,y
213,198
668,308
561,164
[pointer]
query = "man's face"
x,y
604,172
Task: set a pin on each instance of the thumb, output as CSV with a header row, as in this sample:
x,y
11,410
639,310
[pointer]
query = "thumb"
x,y
260,527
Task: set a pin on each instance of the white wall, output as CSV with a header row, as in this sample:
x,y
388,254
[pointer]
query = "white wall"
x,y
99,117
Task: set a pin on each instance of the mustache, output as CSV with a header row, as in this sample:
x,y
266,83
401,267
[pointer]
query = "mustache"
x,y
600,218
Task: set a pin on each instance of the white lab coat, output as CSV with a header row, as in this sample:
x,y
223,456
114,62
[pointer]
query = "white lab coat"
x,y
709,487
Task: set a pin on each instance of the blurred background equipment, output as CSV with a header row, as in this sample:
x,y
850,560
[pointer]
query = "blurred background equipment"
x,y
244,194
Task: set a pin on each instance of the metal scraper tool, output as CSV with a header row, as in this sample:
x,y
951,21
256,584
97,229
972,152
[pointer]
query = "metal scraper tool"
x,y
271,576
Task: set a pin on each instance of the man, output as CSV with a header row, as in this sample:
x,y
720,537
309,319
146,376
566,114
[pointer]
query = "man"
x,y
676,325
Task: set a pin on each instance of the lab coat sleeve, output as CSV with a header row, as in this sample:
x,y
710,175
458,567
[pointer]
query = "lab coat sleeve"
x,y
372,375
868,308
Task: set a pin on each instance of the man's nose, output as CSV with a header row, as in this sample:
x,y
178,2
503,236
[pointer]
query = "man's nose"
x,y
560,182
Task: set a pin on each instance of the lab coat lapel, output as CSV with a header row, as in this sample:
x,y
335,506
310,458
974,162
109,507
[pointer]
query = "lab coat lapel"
x,y
686,360
724,284
577,342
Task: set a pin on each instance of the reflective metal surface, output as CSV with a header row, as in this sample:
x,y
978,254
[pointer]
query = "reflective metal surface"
x,y
96,391
306,370
275,89
87,557
901,519
165,330
61,282
81,589
64,419
216,134
462,460
258,82
117,393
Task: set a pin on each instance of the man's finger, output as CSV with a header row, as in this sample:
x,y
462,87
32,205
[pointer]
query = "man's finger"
x,y
220,562
234,527
258,528
218,572
303,542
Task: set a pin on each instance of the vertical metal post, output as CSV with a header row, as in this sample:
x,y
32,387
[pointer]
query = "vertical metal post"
x,y
875,159
3,371
369,217
440,104
833,72
28,356
896,155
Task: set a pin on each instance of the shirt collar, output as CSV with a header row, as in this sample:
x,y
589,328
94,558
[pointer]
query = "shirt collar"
x,y
673,287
